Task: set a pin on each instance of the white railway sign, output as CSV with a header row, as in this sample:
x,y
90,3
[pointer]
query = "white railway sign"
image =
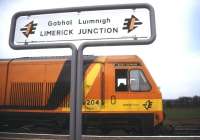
x,y
104,23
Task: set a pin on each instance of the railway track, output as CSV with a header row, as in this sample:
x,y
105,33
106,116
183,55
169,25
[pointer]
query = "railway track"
x,y
178,130
187,130
32,136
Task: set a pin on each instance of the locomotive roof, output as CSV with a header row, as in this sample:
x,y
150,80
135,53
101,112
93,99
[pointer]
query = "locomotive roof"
x,y
110,58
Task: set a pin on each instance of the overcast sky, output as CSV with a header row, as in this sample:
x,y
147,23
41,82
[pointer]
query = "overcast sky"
x,y
173,59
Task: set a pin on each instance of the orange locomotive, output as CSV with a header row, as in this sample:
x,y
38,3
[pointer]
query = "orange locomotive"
x,y
118,90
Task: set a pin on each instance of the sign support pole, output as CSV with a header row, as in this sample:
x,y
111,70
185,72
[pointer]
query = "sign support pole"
x,y
72,129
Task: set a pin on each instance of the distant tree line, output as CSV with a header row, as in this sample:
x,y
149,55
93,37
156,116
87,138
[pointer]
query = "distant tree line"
x,y
183,102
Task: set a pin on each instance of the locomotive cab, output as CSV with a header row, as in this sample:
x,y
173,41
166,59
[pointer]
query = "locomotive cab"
x,y
122,87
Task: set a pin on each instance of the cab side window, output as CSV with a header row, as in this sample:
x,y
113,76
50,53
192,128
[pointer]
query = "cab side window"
x,y
121,81
138,82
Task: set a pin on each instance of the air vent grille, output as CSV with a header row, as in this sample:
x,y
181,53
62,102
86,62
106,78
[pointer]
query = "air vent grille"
x,y
45,95
26,94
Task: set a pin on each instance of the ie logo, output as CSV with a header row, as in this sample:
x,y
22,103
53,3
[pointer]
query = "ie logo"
x,y
131,23
147,104
29,28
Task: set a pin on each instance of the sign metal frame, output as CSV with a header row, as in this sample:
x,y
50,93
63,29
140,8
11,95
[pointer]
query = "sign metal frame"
x,y
81,9
77,70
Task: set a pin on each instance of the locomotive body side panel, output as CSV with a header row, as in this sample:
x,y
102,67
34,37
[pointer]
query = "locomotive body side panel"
x,y
38,86
3,81
93,88
25,85
57,87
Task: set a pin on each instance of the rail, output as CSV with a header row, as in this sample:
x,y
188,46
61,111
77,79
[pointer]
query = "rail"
x,y
32,136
